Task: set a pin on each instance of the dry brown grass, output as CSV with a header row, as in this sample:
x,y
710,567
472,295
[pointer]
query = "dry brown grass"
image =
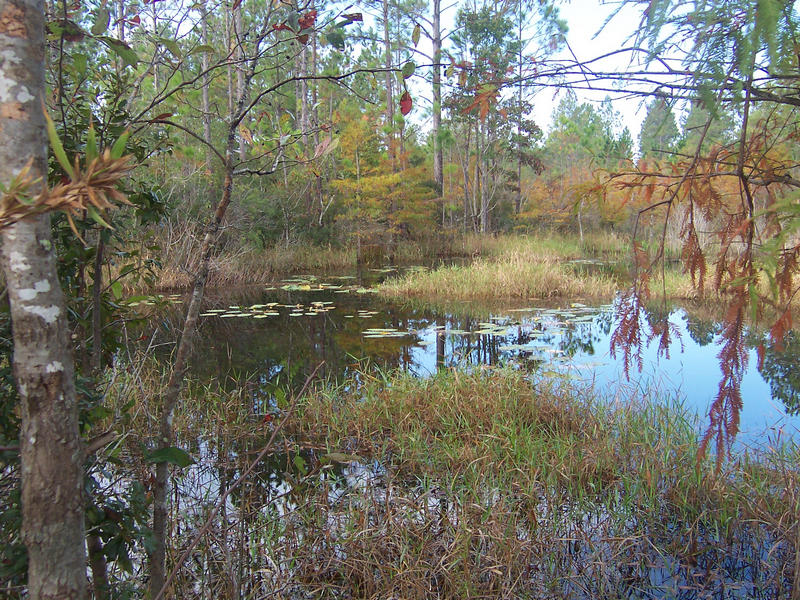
x,y
524,274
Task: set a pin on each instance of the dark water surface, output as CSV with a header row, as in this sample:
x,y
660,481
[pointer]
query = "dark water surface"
x,y
278,334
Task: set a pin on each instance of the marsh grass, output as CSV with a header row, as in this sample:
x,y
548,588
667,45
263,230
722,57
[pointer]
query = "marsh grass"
x,y
257,266
235,266
480,484
521,273
548,474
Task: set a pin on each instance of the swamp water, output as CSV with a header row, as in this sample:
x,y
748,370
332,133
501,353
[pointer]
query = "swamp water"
x,y
305,520
278,334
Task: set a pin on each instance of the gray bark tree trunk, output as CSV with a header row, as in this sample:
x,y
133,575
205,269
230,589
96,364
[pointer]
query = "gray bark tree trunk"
x,y
204,61
390,142
51,452
438,163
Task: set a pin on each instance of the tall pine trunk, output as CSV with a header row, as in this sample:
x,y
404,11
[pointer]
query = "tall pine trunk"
x,y
390,142
438,163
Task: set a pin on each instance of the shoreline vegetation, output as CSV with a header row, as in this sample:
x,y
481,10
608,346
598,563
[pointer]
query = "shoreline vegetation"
x,y
472,485
469,266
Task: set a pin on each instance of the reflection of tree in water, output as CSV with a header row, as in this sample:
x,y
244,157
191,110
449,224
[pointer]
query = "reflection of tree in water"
x,y
780,370
578,338
702,331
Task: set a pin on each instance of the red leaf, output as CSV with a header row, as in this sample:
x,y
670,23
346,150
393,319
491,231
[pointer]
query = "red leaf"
x,y
135,19
406,103
303,39
162,116
307,20
281,27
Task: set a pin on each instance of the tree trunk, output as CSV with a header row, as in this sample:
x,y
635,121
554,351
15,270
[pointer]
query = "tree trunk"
x,y
206,106
99,567
239,57
185,345
51,452
438,163
518,197
390,144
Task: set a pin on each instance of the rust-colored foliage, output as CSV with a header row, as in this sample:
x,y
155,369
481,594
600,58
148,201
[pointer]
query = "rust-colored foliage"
x,y
94,190
726,407
735,192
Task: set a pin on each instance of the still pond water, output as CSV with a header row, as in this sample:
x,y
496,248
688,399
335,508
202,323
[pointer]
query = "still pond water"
x,y
276,335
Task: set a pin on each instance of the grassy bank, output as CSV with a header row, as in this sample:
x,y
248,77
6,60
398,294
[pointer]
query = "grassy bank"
x,y
524,270
508,489
244,266
535,267
467,485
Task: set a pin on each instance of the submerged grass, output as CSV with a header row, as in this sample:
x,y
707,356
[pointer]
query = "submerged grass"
x,y
506,488
464,485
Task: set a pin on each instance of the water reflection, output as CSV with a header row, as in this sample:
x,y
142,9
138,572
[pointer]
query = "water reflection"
x,y
779,369
278,336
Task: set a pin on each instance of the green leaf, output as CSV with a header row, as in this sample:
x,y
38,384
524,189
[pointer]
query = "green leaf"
x,y
415,34
101,21
80,63
92,212
58,148
121,49
116,289
118,149
92,151
408,69
280,399
751,289
341,458
335,39
300,464
201,49
172,46
293,21
172,455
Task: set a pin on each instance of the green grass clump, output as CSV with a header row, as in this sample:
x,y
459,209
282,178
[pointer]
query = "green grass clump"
x,y
554,462
525,273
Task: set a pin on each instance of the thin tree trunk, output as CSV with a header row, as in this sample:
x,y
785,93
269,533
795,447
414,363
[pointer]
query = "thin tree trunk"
x,y
304,123
120,20
438,162
99,567
390,143
175,383
51,452
518,198
466,176
239,56
206,106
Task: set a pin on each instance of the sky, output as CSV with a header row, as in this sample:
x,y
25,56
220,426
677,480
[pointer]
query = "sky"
x,y
585,18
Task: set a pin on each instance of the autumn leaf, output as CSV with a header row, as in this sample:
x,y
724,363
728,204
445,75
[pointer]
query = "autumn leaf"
x,y
406,103
307,20
245,133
